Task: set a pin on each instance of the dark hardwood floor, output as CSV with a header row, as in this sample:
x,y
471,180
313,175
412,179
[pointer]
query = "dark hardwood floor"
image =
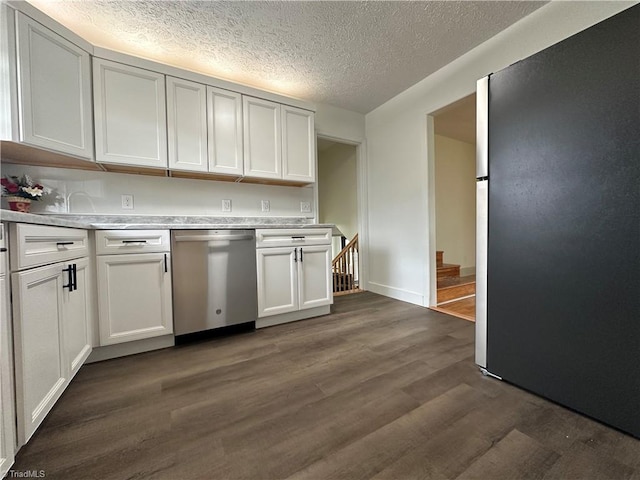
x,y
378,389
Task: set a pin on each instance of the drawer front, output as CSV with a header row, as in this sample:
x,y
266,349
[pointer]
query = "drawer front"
x,y
35,245
118,242
292,237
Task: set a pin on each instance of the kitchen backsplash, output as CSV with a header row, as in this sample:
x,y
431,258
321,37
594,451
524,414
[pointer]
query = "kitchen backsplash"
x,y
79,191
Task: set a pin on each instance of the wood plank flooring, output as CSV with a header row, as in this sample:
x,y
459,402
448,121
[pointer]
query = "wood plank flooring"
x,y
379,389
464,308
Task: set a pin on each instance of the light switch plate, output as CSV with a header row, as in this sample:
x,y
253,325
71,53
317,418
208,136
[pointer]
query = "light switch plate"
x,y
226,205
305,207
266,206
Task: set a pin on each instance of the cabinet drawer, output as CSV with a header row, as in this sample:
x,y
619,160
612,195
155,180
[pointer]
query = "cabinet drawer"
x,y
34,245
292,237
111,242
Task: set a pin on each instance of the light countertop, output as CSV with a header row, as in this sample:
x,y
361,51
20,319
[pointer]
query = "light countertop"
x,y
160,222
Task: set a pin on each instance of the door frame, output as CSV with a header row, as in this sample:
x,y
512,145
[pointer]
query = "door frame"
x,y
362,209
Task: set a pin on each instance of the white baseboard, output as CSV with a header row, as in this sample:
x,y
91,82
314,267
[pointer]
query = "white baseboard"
x,y
130,348
465,271
292,316
396,293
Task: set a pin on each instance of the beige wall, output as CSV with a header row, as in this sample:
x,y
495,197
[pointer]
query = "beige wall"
x,y
337,192
456,202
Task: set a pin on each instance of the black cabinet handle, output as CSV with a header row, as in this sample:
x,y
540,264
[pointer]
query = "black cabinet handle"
x,y
3,249
74,270
134,241
62,244
295,255
166,268
300,254
69,285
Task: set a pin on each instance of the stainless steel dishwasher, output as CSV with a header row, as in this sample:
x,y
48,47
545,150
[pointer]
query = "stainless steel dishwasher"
x,y
214,279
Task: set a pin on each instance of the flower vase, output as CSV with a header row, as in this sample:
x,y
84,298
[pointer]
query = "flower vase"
x,y
19,204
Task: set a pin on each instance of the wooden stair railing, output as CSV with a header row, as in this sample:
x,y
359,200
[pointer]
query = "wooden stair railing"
x,y
345,269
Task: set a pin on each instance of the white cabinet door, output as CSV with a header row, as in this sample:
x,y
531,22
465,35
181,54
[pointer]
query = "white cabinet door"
x,y
130,115
277,281
187,125
7,419
40,365
315,277
224,111
262,138
134,297
78,316
298,145
54,90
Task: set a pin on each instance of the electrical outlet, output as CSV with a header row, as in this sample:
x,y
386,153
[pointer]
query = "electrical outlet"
x,y
266,206
226,205
127,202
305,207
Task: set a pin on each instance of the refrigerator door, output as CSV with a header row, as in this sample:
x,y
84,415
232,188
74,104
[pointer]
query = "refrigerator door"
x,y
564,222
482,128
482,211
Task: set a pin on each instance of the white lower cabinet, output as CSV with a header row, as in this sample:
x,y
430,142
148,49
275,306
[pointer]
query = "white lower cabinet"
x,y
277,281
134,297
314,278
7,415
293,278
52,318
78,308
41,369
52,337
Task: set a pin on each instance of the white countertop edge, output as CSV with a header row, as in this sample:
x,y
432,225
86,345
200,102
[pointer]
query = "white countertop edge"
x,y
157,222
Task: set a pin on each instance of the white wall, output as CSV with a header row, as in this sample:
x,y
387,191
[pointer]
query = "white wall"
x,y
455,170
81,191
337,192
399,218
339,123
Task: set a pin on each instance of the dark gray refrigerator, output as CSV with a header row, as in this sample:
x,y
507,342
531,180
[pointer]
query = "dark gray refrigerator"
x,y
558,250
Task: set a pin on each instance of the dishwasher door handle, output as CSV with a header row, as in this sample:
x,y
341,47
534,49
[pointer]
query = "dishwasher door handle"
x,y
209,238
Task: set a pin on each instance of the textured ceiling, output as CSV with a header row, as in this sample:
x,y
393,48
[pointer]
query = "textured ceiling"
x,y
354,55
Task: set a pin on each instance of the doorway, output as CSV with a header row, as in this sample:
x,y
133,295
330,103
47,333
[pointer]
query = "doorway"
x,y
338,205
454,139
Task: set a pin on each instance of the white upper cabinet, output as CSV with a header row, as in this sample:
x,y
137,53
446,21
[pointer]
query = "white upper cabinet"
x,y
187,125
279,141
298,145
224,110
130,115
54,81
262,138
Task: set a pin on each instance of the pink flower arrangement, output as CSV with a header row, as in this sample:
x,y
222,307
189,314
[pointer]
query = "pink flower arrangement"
x,y
23,186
